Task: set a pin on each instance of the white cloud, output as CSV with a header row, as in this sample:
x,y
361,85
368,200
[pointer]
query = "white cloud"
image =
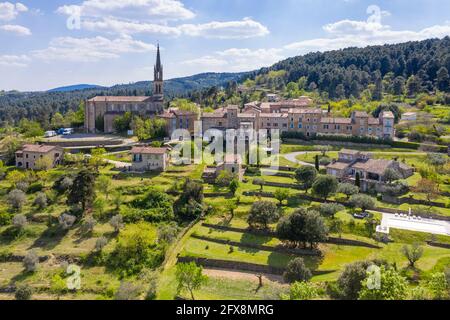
x,y
91,49
235,60
350,33
243,29
14,61
16,29
9,11
150,9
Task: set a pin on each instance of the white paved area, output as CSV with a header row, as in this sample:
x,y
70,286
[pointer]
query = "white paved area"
x,y
423,225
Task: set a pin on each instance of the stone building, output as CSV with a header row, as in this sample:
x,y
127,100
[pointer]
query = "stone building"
x,y
149,159
30,153
101,111
179,119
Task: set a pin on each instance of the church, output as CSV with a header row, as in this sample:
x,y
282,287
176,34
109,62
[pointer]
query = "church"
x,y
101,111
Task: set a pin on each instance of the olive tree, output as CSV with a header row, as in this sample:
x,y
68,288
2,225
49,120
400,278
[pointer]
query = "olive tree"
x,y
116,222
262,213
306,175
348,189
189,277
31,261
362,201
296,270
66,221
413,253
324,186
16,199
41,200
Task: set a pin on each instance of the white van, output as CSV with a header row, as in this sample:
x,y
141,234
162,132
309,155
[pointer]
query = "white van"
x,y
67,131
49,134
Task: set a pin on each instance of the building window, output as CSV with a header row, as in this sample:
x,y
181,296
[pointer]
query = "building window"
x,y
300,126
292,126
325,126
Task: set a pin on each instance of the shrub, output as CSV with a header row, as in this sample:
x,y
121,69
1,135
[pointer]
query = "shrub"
x,y
330,209
16,199
100,243
31,261
128,291
88,224
296,270
116,222
66,221
23,292
262,213
302,291
35,187
41,200
19,221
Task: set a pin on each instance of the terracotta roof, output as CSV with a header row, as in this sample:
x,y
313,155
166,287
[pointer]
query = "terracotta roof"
x,y
305,111
338,165
148,150
38,148
360,114
167,115
377,166
214,115
246,115
273,115
388,114
373,121
130,99
183,113
232,107
336,120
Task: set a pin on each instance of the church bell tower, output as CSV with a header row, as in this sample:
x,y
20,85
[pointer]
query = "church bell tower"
x,y
158,82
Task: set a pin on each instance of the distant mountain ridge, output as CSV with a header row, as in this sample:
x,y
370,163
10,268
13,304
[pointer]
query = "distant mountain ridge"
x,y
75,87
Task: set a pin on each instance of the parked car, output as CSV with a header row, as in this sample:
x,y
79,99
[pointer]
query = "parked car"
x,y
361,215
67,131
49,134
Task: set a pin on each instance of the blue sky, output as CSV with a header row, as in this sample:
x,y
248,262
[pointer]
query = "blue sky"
x,y
46,44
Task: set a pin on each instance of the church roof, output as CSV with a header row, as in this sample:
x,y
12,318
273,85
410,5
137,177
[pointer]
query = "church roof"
x,y
121,99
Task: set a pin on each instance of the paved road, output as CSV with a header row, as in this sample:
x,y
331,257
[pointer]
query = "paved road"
x,y
292,157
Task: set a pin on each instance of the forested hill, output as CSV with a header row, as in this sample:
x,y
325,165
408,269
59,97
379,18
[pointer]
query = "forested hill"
x,y
412,66
41,105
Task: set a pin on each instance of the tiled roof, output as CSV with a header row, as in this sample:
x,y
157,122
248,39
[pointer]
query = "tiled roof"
x,y
130,99
273,115
306,111
336,120
361,114
148,150
214,115
377,166
246,115
373,121
38,148
338,165
349,151
388,114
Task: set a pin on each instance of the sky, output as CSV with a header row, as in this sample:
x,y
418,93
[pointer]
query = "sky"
x,y
51,43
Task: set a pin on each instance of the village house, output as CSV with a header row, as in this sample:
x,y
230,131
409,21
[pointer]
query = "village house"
x,y
179,119
149,159
372,172
298,115
30,153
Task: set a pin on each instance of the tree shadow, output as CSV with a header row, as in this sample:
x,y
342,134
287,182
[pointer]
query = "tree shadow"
x,y
21,277
50,238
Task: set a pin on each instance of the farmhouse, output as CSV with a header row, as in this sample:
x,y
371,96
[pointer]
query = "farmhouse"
x,y
149,159
30,153
371,171
232,163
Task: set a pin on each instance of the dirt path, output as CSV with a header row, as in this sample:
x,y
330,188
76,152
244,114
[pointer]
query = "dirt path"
x,y
241,275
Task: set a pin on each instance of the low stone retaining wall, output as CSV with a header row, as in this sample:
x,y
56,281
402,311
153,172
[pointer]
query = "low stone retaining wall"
x,y
242,266
281,249
439,244
267,233
281,185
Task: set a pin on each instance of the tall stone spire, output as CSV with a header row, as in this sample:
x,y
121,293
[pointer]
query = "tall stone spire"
x,y
158,80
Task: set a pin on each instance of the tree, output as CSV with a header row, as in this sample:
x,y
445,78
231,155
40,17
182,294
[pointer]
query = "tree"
x,y
281,195
362,201
104,185
316,163
167,233
66,221
230,206
30,129
330,209
224,178
324,186
438,285
391,175
358,180
350,280
306,176
398,87
88,225
44,163
128,291
19,221
189,277
82,192
413,86
260,182
302,291
233,186
392,286
429,188
336,226
96,158
413,253
443,80
296,270
23,292
41,200
189,205
31,261
100,244
262,213
16,199
303,227
116,222
348,189
437,159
